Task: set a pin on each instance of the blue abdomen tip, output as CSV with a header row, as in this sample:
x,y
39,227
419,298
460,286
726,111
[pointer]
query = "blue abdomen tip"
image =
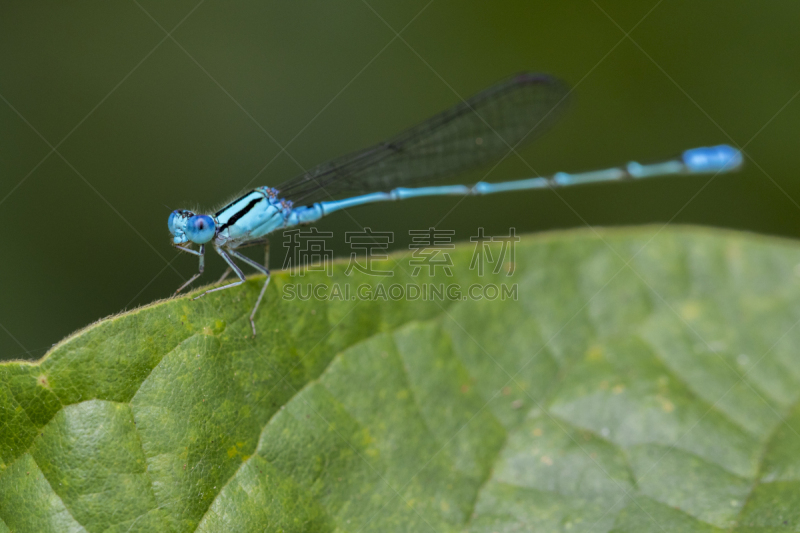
x,y
722,158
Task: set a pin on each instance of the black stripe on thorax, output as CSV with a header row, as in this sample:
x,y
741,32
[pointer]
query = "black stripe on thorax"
x,y
242,212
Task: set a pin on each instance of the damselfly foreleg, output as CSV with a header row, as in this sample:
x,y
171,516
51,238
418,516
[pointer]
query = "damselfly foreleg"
x,y
201,255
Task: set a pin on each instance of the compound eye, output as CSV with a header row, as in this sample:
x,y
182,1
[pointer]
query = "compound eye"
x,y
200,229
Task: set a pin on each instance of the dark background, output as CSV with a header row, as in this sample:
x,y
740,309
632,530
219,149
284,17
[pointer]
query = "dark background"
x,y
152,124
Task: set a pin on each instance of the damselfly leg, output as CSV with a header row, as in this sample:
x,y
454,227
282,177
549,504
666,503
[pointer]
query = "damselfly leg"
x,y
201,255
257,242
261,268
232,266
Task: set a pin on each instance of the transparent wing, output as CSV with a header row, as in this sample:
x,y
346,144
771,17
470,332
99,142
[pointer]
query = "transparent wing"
x,y
475,132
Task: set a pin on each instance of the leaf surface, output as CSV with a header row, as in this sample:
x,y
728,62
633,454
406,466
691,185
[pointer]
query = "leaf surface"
x,y
642,380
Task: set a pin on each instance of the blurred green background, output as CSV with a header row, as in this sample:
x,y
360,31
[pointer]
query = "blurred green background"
x,y
152,124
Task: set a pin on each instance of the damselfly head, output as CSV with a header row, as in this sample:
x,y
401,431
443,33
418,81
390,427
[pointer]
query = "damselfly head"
x,y
185,227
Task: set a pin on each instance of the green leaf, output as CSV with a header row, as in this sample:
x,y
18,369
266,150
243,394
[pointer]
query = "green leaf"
x,y
643,380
